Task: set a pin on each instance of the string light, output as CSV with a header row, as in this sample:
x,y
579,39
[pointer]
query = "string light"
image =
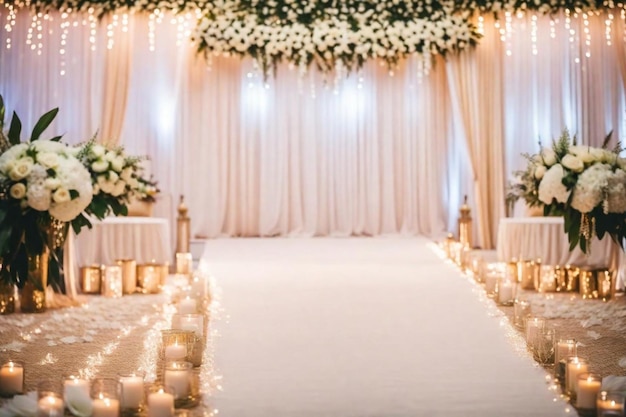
x,y
151,29
92,29
509,32
608,23
480,27
553,29
533,34
587,35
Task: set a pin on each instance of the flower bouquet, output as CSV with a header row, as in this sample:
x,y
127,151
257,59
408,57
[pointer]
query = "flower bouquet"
x,y
43,188
586,185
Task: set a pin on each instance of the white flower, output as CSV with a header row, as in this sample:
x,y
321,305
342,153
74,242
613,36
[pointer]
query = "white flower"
x,y
48,159
117,164
551,186
98,150
38,197
540,171
18,190
548,156
573,163
52,183
100,166
21,169
617,191
118,188
583,153
588,191
61,195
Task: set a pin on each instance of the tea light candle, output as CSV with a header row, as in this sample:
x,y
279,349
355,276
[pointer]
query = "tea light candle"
x,y
11,379
610,404
178,377
160,404
75,386
575,366
192,323
50,406
175,351
533,325
187,306
587,390
132,391
106,407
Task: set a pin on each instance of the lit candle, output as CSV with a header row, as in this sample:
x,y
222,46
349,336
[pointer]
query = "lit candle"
x,y
564,349
506,291
160,404
610,404
11,379
106,407
533,325
175,351
132,392
75,386
491,283
587,390
178,377
192,323
575,366
187,306
50,406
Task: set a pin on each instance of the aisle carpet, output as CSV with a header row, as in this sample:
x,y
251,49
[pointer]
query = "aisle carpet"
x,y
361,327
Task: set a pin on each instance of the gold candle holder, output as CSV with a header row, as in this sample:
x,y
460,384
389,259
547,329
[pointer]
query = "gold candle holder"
x,y
91,279
112,281
129,275
573,278
606,284
512,270
528,273
546,280
148,278
588,285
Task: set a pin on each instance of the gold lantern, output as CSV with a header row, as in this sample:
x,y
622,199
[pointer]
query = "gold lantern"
x,y
182,228
465,225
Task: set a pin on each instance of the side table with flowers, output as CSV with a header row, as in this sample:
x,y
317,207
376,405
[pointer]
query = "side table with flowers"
x,y
583,184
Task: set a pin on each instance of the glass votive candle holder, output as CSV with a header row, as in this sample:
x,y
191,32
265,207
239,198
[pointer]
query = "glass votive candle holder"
x,y
160,401
506,292
11,379
105,395
587,388
187,305
575,366
521,311
542,345
180,345
112,281
178,375
50,399
77,396
491,283
610,404
132,393
190,322
563,349
533,326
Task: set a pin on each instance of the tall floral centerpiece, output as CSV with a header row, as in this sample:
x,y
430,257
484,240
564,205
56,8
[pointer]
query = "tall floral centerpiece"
x,y
43,188
586,185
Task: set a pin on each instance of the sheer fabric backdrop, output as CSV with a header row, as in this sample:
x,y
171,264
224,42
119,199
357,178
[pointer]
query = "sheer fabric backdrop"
x,y
374,153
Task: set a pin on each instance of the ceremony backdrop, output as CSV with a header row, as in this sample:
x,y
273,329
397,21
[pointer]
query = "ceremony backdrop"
x,y
371,152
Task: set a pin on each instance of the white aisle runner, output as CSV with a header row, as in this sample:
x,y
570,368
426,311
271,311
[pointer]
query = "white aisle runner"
x,y
361,327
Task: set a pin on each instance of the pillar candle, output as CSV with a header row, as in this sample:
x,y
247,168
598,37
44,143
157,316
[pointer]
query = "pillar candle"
x,y
506,292
132,392
50,406
160,404
187,306
11,379
178,376
587,390
175,351
106,407
575,366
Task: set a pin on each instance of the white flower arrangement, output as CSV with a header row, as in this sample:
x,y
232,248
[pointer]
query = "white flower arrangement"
x,y
115,176
584,184
331,34
45,176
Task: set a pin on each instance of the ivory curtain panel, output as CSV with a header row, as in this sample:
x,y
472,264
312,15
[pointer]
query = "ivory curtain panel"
x,y
368,154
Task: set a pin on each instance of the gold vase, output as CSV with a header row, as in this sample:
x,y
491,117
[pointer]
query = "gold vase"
x,y
7,298
33,293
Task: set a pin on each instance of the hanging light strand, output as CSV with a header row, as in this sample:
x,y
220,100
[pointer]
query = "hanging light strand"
x,y
587,33
533,34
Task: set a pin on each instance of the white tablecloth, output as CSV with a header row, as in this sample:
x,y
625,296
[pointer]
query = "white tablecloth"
x,y
544,237
144,239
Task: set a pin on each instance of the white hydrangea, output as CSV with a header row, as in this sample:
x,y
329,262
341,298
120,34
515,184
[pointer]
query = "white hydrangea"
x,y
617,191
45,175
551,186
588,191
